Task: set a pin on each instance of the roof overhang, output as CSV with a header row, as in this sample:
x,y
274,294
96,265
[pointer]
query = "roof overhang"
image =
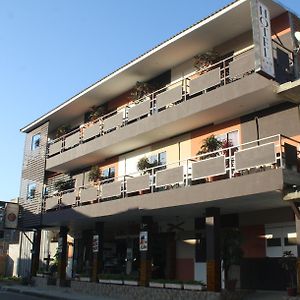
x,y
200,37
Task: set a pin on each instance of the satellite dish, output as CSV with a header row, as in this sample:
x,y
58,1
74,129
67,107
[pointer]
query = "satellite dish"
x,y
297,36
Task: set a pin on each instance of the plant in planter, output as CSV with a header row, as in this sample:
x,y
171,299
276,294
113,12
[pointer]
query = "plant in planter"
x,y
140,90
210,144
62,130
96,112
144,164
288,263
95,174
63,185
204,60
231,254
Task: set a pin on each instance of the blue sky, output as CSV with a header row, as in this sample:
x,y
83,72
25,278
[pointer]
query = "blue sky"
x,y
52,49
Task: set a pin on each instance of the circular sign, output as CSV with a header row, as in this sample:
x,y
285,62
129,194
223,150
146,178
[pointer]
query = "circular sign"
x,y
11,217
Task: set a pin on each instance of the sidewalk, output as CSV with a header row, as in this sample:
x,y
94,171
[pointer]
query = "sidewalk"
x,y
51,293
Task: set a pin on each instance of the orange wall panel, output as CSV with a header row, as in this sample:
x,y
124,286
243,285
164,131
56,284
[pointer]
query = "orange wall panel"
x,y
185,269
199,135
254,244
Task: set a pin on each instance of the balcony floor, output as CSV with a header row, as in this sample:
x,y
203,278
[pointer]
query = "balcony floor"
x,y
252,192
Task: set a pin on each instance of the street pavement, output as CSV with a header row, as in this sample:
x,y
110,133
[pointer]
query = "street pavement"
x,y
13,296
19,292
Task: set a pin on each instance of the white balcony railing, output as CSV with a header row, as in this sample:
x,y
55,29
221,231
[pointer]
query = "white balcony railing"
x,y
196,83
257,156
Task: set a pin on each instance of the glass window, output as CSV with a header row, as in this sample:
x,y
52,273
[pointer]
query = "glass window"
x,y
274,242
108,173
35,141
232,137
31,189
162,158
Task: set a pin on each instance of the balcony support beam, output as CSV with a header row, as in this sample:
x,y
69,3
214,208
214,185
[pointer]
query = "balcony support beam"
x,y
145,240
35,256
213,261
98,243
62,255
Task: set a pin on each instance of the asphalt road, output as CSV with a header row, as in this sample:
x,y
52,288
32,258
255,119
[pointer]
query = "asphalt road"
x,y
15,296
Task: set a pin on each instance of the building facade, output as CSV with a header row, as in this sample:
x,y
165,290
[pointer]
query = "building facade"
x,y
145,169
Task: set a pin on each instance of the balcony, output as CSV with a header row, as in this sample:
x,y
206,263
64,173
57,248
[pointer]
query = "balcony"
x,y
227,89
256,171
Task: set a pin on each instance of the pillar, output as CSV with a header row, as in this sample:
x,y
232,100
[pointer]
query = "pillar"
x,y
35,252
98,241
145,250
298,252
129,256
200,249
62,255
213,261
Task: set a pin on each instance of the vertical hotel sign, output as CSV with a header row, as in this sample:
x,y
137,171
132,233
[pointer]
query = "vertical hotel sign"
x,y
261,26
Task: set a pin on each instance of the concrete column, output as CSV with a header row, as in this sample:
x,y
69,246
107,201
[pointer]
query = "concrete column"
x,y
35,252
98,241
129,256
200,249
145,250
213,261
298,252
62,255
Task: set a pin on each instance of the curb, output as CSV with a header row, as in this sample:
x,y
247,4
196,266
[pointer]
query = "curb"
x,y
31,293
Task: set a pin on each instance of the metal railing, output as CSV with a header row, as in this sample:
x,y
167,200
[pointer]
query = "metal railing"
x,y
226,163
183,85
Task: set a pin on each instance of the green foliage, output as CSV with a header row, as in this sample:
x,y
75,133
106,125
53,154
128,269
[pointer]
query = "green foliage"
x,y
140,90
144,164
63,185
62,130
288,263
95,174
96,112
210,144
204,60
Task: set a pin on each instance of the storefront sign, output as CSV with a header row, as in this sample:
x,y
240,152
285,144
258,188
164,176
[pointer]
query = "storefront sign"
x,y
143,240
11,215
261,25
95,243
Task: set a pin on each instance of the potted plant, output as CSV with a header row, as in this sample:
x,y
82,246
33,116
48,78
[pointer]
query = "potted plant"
x,y
96,112
144,164
62,130
204,60
231,254
194,285
288,263
95,174
63,185
130,280
140,90
210,144
157,283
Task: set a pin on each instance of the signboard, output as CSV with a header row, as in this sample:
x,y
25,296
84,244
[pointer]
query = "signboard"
x,y
60,245
262,38
11,215
95,243
144,241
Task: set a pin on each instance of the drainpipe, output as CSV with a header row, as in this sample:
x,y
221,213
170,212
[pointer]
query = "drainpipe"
x,y
257,129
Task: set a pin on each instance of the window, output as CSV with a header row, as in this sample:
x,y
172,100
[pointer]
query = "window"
x,y
232,136
108,173
35,141
158,159
31,189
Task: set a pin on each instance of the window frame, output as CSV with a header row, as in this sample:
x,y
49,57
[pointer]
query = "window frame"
x,y
35,143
